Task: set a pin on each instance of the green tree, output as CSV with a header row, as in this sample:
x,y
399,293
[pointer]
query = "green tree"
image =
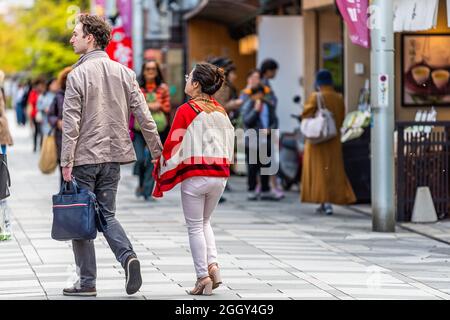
x,y
37,39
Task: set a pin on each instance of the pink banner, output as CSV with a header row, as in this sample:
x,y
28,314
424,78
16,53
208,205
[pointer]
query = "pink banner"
x,y
354,13
125,8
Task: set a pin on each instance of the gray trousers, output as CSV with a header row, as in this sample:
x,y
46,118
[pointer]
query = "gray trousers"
x,y
103,180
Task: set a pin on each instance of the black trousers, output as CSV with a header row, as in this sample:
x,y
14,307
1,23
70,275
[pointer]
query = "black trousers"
x,y
37,133
103,180
258,157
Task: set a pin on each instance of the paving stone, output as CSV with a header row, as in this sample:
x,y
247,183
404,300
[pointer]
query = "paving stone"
x,y
266,250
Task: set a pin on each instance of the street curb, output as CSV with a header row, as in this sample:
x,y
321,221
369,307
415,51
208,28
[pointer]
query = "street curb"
x,y
399,224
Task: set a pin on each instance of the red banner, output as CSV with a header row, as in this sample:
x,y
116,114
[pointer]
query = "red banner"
x,y
120,48
354,13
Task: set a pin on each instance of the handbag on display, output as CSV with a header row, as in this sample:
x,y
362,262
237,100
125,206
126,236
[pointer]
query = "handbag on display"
x,y
322,126
48,160
5,180
76,215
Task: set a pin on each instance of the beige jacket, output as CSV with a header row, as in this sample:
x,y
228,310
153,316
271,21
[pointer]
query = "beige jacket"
x,y
99,99
5,135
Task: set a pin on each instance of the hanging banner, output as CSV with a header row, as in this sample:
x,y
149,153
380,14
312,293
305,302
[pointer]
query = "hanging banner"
x,y
354,13
415,15
125,8
120,48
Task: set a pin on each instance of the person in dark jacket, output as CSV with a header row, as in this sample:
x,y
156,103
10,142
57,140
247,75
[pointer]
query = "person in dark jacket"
x,y
259,118
56,111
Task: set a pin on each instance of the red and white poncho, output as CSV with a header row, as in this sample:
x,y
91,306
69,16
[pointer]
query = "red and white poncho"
x,y
200,143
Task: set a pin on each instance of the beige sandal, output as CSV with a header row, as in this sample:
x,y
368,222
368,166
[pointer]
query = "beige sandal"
x,y
214,273
202,287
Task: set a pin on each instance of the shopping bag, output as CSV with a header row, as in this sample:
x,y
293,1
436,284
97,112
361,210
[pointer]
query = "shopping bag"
x,y
5,181
48,160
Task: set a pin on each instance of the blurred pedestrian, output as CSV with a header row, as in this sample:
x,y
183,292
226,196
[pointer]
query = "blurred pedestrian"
x,y
324,179
157,95
5,140
253,80
44,102
21,101
55,113
100,95
201,163
33,114
258,114
228,96
5,134
269,70
17,97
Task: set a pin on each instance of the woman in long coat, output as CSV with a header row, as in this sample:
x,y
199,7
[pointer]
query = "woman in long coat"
x,y
5,135
324,179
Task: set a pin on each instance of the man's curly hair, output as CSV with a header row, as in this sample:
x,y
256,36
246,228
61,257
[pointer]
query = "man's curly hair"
x,y
98,27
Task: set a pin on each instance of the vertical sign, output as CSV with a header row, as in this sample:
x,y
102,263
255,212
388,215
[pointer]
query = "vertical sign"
x,y
354,13
415,15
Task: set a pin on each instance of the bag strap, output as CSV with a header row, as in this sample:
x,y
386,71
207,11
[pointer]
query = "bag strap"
x,y
194,107
102,224
320,102
52,131
73,183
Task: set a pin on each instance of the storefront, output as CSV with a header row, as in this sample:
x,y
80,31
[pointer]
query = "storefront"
x,y
329,46
215,28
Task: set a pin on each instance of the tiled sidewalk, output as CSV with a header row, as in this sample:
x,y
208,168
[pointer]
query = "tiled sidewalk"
x,y
267,250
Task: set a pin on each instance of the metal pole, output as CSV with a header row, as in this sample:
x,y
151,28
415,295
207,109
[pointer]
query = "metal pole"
x,y
382,97
138,35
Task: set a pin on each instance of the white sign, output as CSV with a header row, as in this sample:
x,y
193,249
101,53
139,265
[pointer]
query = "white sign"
x,y
415,15
383,91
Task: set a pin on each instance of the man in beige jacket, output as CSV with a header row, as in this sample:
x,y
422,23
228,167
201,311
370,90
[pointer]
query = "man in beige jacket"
x,y
99,97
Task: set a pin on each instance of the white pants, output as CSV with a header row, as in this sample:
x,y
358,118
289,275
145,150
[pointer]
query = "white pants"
x,y
199,197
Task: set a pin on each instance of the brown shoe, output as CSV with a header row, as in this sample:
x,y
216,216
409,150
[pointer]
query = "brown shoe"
x,y
214,273
80,292
202,287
